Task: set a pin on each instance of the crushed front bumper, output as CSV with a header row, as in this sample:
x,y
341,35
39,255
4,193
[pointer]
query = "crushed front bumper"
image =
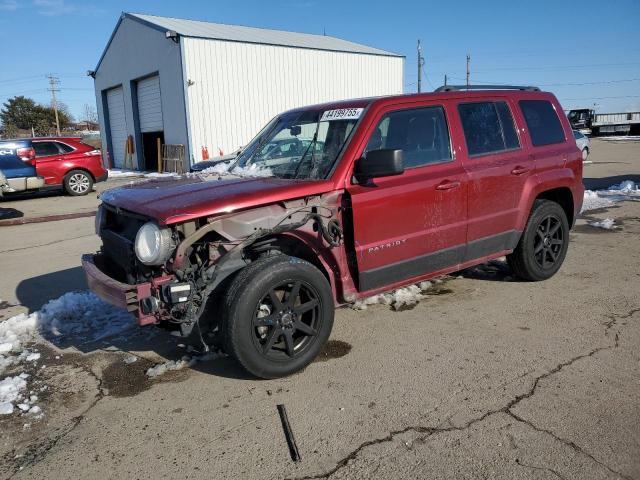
x,y
123,295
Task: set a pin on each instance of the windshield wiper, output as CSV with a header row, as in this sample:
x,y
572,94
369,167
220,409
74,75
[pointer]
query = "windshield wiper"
x,y
312,147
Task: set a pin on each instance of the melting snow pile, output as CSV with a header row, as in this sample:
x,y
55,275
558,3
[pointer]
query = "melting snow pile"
x,y
627,190
185,362
78,316
607,224
397,299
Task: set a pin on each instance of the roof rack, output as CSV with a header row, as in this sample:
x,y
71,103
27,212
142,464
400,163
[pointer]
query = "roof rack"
x,y
455,88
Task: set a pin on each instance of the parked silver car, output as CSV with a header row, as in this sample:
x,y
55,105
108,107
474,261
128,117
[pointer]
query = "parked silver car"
x,y
582,141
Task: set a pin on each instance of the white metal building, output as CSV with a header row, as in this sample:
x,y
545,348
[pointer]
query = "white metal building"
x,y
213,86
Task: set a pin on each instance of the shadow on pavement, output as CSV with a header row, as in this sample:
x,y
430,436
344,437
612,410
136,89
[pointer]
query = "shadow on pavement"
x,y
33,293
494,270
36,291
7,213
605,182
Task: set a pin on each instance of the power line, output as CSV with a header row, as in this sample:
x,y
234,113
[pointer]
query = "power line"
x,y
560,67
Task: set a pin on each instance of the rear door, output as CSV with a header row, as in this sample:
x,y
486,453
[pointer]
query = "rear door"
x,y
408,225
16,159
49,159
498,166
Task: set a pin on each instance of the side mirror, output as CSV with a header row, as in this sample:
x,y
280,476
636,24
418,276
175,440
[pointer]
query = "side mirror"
x,y
380,163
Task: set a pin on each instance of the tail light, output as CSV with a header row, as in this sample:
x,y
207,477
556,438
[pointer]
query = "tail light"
x,y
27,155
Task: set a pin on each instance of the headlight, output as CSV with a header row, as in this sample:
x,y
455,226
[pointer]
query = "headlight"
x,y
153,244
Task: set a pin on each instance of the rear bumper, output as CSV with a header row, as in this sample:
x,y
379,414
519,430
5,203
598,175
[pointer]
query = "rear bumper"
x,y
123,295
103,177
21,184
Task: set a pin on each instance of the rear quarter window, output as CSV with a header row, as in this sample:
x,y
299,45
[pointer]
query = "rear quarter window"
x,y
488,127
543,122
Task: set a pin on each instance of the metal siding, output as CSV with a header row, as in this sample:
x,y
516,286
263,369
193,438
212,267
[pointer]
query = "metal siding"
x,y
150,105
238,87
117,124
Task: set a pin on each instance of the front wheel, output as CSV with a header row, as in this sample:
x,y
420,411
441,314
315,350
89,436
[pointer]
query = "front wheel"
x,y
278,315
544,242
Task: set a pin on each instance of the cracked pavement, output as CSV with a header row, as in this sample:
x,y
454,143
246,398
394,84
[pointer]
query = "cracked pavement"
x,y
490,379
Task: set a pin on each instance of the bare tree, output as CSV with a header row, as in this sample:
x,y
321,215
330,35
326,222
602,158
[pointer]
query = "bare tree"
x,y
89,115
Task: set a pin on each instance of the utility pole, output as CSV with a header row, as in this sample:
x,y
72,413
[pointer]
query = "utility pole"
x,y
468,70
420,65
53,83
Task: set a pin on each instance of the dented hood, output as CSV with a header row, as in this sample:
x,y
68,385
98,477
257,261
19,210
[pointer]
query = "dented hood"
x,y
174,200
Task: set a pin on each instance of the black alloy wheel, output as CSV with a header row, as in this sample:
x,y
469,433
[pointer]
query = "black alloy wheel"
x,y
286,319
548,242
277,314
543,245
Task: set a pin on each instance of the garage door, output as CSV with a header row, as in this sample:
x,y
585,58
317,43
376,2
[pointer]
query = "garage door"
x,y
117,125
149,105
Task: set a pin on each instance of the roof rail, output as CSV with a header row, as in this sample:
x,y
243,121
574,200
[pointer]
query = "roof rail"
x,y
455,88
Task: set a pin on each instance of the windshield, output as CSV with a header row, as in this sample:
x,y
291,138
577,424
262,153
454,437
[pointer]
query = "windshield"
x,y
303,144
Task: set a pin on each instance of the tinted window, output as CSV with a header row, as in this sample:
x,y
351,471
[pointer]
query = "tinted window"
x,y
422,135
488,127
577,135
45,148
64,147
508,128
544,125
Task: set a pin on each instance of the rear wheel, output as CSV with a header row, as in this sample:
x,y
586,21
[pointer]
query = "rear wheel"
x,y
78,182
279,313
544,242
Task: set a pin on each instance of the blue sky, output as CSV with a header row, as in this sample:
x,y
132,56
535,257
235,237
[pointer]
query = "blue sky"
x,y
586,52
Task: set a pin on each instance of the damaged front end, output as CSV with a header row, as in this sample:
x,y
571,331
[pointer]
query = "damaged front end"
x,y
167,274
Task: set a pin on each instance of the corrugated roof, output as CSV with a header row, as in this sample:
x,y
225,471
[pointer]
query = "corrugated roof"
x,y
239,33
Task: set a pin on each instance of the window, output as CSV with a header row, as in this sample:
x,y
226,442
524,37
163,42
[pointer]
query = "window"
x,y
577,135
44,149
64,148
421,133
544,125
488,127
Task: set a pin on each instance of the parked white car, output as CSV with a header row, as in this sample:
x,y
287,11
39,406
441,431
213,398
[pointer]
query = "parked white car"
x,y
582,141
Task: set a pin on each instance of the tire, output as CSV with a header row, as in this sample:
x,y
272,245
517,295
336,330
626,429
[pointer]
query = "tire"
x,y
77,183
585,153
543,244
266,331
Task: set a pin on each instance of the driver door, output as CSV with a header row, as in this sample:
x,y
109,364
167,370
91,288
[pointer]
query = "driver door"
x,y
412,224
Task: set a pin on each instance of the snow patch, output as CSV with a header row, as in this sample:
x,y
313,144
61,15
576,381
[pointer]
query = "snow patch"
x,y
253,170
185,362
78,316
117,173
626,190
398,299
607,224
11,389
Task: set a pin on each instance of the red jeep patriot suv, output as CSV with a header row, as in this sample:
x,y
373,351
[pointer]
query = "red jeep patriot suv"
x,y
335,202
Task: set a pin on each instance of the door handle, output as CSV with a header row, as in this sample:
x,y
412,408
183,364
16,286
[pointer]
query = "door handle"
x,y
520,170
447,185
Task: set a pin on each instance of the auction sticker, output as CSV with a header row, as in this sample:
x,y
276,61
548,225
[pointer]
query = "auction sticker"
x,y
341,114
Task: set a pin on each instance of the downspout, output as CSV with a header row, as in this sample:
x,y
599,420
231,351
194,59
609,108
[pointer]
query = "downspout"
x,y
185,88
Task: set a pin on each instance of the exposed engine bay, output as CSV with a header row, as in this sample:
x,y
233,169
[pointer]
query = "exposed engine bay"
x,y
185,263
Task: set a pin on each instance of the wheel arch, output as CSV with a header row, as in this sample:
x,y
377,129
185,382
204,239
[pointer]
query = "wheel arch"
x,y
563,197
82,169
295,244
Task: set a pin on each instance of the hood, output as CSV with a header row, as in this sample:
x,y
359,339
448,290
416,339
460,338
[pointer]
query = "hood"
x,y
174,200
